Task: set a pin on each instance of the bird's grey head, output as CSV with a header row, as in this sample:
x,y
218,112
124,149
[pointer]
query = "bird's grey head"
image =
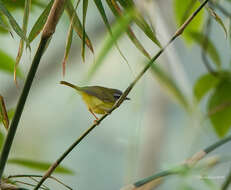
x,y
118,93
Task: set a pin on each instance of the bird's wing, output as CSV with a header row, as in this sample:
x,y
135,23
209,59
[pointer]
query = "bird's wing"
x,y
101,93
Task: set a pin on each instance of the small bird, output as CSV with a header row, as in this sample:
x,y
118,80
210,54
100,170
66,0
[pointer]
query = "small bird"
x,y
98,99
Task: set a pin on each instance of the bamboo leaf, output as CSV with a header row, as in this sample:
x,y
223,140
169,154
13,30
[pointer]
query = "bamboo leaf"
x,y
99,5
118,29
3,113
204,84
40,22
182,10
169,84
219,108
3,26
21,44
68,46
85,5
210,47
141,23
7,64
216,17
219,20
77,24
13,22
37,165
117,12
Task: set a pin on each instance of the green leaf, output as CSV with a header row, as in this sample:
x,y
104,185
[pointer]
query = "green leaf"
x,y
77,24
169,84
219,108
210,48
99,5
68,46
182,10
218,20
3,113
40,22
3,26
141,23
24,28
2,138
204,84
85,5
13,22
118,29
117,12
19,4
41,166
7,64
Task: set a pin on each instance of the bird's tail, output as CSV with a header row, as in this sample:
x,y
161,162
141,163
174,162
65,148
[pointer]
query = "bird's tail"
x,y
70,85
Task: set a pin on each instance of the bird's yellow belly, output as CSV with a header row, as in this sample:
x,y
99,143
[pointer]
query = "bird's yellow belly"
x,y
96,105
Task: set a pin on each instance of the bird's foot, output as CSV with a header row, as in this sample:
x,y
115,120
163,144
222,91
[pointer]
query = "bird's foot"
x,y
96,121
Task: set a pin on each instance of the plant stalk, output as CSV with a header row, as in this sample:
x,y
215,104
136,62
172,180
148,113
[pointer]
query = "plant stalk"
x,y
20,106
48,31
122,97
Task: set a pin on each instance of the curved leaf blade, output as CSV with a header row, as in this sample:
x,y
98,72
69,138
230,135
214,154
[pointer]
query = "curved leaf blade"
x,y
182,10
41,166
40,22
210,49
169,84
219,108
77,24
204,84
3,113
118,29
7,64
13,22
21,44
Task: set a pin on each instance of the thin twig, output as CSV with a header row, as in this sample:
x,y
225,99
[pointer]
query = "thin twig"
x,y
227,181
35,180
220,8
31,185
48,31
35,176
122,97
189,163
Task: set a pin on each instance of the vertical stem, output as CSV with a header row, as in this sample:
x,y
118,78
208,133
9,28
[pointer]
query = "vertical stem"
x,y
20,106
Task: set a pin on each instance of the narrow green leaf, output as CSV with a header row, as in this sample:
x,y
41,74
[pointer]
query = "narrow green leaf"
x,y
182,10
204,84
7,64
218,20
85,5
99,5
2,138
169,84
13,22
77,24
69,41
41,166
3,26
68,46
3,113
216,17
219,108
117,12
141,23
118,29
24,28
40,22
210,47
